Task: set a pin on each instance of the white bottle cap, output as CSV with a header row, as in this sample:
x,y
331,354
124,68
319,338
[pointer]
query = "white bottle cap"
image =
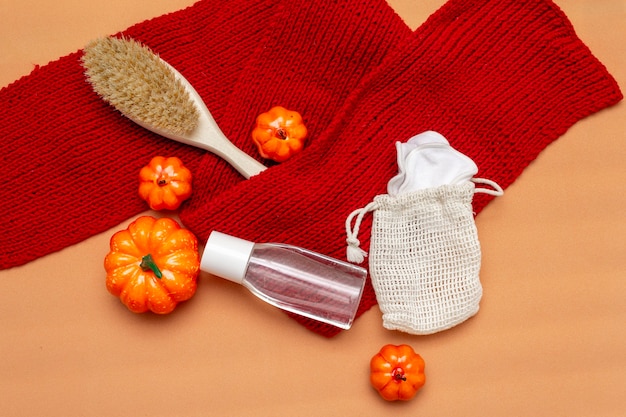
x,y
226,256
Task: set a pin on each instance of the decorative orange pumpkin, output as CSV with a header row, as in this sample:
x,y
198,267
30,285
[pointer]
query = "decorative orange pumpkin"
x,y
164,183
397,372
152,265
279,134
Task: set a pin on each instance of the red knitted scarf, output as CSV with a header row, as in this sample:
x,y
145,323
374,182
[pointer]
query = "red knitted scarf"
x,y
501,79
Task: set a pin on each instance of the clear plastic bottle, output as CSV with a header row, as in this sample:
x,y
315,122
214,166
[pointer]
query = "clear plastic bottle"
x,y
291,278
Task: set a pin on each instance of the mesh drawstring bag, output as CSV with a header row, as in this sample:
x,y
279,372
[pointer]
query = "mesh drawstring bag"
x,y
425,256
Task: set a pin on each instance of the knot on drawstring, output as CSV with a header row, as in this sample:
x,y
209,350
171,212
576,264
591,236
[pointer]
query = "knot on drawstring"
x,y
354,253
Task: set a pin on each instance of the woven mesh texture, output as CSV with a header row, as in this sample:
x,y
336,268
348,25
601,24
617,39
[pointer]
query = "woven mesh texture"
x,y
424,259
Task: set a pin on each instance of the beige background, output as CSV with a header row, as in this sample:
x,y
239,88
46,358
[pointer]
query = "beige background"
x,y
549,339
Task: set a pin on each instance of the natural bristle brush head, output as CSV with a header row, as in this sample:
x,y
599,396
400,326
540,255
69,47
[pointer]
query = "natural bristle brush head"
x,y
134,80
150,92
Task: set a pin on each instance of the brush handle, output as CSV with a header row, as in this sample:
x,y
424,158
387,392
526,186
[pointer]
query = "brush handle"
x,y
241,161
207,135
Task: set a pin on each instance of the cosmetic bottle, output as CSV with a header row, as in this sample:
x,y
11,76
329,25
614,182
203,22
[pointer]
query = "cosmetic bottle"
x,y
288,277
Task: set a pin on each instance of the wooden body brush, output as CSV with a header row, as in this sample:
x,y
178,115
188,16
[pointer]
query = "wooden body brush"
x,y
150,92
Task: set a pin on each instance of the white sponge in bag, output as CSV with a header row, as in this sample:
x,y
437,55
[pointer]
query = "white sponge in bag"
x,y
425,255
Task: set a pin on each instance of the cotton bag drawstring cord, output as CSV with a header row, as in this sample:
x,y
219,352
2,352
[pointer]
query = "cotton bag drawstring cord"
x,y
354,252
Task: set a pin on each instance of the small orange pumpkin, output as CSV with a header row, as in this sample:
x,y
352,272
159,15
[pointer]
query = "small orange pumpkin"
x,y
397,372
279,134
164,183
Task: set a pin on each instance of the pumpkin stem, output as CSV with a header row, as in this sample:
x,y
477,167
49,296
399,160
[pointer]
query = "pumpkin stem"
x,y
147,263
281,134
398,374
162,179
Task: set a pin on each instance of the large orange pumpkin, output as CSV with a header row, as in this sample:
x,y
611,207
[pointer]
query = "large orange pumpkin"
x,y
153,265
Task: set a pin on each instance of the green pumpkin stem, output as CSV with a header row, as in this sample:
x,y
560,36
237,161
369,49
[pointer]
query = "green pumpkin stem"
x,y
147,263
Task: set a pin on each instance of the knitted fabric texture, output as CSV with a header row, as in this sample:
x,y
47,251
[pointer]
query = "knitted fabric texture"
x,y
504,78
72,161
65,151
501,79
425,258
